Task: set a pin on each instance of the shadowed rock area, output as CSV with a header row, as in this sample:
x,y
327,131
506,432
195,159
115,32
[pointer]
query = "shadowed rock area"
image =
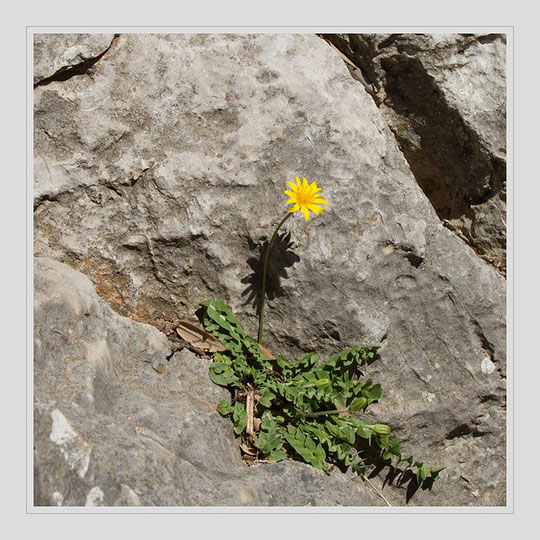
x,y
159,173
444,97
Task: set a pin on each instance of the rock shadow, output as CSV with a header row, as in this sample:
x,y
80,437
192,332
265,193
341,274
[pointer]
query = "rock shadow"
x,y
395,475
282,257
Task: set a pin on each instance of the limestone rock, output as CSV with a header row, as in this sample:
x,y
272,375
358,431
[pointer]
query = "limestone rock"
x,y
112,431
61,54
161,175
444,97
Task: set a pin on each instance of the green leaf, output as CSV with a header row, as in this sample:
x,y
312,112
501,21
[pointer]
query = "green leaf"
x,y
239,418
382,441
225,377
374,393
224,407
220,314
290,392
435,472
276,455
364,431
283,363
305,446
307,362
340,429
268,442
395,447
422,473
266,397
322,382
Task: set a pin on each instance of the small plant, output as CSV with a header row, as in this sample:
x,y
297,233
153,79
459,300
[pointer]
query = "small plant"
x,y
300,410
305,410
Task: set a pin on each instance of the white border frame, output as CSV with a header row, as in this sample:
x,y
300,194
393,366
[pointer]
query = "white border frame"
x,y
192,29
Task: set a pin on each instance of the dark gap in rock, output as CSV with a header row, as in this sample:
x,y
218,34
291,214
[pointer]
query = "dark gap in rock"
x,y
488,38
459,431
67,72
463,430
38,202
415,260
114,188
359,50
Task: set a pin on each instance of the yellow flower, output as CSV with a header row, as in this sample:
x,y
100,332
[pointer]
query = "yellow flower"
x,y
304,197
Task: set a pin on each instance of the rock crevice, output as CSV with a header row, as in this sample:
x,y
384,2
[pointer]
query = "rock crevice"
x,y
445,100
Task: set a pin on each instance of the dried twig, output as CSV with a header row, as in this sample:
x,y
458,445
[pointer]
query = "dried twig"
x,y
376,490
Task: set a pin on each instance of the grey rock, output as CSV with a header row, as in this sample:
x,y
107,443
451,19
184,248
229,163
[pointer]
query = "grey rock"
x,y
55,54
111,431
444,97
161,176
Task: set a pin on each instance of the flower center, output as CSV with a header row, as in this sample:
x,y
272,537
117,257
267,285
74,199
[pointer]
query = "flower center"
x,y
303,198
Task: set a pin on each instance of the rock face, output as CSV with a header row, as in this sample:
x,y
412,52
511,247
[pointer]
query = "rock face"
x,y
444,97
160,173
61,56
117,423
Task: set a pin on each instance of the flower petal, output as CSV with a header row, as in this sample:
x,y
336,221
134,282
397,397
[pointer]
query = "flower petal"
x,y
294,187
305,211
316,209
320,199
294,208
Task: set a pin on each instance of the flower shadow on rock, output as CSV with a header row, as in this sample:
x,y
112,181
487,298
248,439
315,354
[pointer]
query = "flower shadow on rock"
x,y
282,257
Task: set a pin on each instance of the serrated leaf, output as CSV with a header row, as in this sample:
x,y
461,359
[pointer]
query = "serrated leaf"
x,y
300,389
239,418
305,446
283,363
374,393
266,397
307,362
435,472
276,455
224,378
224,407
395,447
268,442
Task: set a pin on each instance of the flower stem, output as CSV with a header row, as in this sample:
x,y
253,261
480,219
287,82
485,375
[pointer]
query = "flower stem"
x,y
265,271
326,413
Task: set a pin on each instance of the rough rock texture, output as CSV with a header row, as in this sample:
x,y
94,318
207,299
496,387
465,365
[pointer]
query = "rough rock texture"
x,y
60,56
444,97
161,174
117,423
